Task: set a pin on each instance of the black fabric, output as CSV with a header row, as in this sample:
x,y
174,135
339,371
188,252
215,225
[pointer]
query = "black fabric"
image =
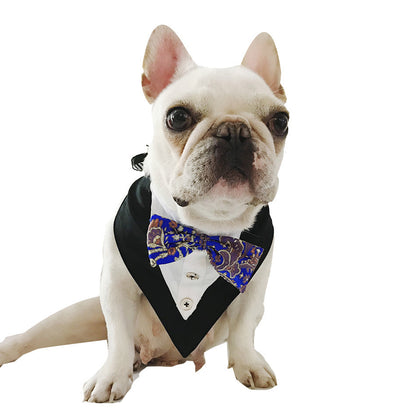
x,y
137,161
130,229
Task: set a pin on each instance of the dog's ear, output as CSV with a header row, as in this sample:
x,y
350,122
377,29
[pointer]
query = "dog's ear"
x,y
165,59
262,58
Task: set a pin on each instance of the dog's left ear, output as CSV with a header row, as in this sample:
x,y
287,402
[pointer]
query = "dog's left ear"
x,y
262,58
165,59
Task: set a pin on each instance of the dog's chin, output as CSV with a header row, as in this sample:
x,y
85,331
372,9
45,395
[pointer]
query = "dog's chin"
x,y
231,190
227,208
233,186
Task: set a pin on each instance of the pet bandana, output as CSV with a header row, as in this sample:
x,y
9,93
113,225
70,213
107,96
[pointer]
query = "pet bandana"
x,y
235,260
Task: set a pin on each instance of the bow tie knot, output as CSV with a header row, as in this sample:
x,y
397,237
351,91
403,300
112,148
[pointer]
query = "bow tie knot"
x,y
234,259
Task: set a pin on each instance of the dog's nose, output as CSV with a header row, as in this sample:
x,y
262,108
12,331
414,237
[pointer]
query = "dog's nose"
x,y
230,130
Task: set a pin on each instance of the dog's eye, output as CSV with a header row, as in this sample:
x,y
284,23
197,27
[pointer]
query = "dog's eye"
x,y
179,119
278,124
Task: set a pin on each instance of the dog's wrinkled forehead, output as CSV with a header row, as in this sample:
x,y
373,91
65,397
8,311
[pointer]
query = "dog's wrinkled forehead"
x,y
213,92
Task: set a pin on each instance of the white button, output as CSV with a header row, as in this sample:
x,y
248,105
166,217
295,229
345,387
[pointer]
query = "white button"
x,y
192,276
186,304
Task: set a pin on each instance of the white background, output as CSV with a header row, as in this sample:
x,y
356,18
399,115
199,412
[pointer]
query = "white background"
x,y
339,327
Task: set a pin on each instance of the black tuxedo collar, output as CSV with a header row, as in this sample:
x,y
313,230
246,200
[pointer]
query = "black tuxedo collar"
x,y
130,229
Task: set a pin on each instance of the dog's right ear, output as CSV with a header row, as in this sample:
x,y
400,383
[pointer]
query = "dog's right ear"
x,y
165,59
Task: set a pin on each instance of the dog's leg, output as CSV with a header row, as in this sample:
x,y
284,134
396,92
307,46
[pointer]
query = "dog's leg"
x,y
80,322
120,298
244,314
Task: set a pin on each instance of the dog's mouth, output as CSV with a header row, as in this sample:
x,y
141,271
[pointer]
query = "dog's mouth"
x,y
217,171
181,202
235,176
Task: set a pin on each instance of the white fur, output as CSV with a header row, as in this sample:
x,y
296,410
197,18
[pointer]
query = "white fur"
x,y
122,313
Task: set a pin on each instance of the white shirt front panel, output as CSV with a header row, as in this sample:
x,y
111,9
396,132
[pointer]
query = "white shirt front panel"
x,y
187,278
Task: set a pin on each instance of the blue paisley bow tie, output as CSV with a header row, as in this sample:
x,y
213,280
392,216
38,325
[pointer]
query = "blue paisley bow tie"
x,y
235,260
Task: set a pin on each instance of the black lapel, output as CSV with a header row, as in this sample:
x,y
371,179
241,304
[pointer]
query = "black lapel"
x,y
130,229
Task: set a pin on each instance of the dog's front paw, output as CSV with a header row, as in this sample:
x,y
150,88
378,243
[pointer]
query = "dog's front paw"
x,y
253,371
108,385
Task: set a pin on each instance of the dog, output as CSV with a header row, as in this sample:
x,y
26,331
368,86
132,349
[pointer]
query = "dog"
x,y
210,172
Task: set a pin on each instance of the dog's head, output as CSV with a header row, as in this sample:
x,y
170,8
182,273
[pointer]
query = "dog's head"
x,y
218,133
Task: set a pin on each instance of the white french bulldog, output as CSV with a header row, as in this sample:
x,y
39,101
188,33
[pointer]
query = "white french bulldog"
x,y
213,163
